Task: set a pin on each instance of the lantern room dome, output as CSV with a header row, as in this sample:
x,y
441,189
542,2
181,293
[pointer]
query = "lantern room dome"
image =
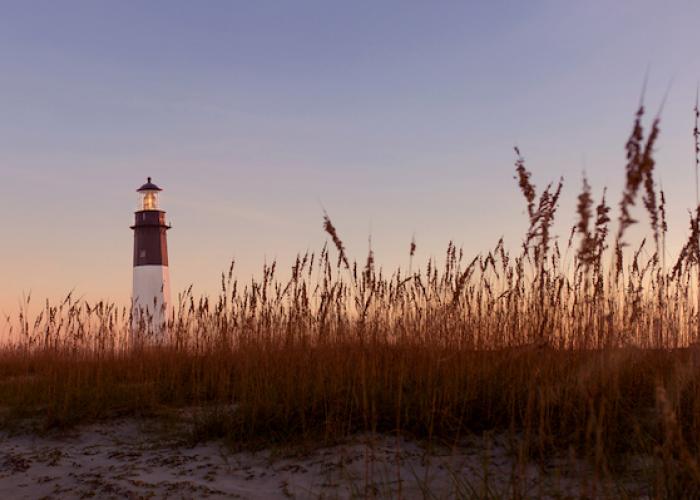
x,y
149,186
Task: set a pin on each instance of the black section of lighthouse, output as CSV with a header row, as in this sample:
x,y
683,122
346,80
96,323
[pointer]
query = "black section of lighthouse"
x,y
151,285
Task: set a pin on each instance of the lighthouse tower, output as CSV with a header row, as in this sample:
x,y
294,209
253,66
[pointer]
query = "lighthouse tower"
x,y
151,293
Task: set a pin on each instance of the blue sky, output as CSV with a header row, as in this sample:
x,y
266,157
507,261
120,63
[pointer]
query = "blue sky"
x,y
398,118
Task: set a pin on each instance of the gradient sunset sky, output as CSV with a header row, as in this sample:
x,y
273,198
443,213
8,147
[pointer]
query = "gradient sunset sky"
x,y
398,117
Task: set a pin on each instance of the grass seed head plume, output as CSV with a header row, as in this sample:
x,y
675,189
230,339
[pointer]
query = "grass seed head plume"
x,y
696,139
542,217
368,272
633,174
526,187
639,170
584,207
690,253
601,225
330,229
647,168
592,245
585,201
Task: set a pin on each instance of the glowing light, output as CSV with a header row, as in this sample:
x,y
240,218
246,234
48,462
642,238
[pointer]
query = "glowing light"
x,y
149,201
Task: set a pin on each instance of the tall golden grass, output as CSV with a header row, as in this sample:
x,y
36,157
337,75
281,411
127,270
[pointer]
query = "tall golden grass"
x,y
594,355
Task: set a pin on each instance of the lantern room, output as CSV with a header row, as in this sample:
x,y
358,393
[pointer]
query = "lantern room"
x,y
148,195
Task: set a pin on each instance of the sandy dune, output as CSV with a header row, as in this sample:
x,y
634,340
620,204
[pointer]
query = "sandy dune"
x,y
132,459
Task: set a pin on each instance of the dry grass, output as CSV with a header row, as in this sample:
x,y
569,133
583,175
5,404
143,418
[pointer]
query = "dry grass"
x,y
564,355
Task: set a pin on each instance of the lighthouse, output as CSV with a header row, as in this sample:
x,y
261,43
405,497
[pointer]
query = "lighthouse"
x,y
151,292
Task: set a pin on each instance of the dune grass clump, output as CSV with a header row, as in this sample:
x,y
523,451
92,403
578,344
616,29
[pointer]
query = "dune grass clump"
x,y
588,350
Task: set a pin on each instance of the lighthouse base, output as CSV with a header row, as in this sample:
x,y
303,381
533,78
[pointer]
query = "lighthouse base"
x,y
151,299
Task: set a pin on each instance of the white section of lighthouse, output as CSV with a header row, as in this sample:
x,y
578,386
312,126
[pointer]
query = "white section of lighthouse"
x,y
151,292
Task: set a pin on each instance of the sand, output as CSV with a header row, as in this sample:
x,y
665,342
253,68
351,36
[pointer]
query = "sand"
x,y
134,459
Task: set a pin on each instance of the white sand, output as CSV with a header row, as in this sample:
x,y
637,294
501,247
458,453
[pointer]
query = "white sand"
x,y
130,459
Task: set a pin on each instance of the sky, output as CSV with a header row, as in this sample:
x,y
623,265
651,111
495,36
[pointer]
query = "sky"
x,y
397,117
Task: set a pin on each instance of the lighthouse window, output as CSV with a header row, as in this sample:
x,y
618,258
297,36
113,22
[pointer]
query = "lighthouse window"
x,y
148,200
